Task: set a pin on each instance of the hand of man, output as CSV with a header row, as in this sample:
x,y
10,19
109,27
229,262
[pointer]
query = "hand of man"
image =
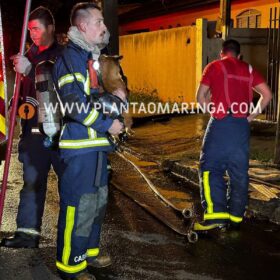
x,y
250,118
22,64
116,127
120,93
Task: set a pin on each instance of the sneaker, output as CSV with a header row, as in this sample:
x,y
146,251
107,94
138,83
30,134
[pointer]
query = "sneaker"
x,y
81,276
21,240
100,261
205,226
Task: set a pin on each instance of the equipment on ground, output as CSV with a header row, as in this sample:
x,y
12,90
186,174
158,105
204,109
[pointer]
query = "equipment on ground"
x,y
145,193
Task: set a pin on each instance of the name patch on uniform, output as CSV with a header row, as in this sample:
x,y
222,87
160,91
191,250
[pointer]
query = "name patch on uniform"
x,y
80,258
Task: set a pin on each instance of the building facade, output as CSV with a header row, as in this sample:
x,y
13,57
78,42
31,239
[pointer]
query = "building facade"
x,y
244,14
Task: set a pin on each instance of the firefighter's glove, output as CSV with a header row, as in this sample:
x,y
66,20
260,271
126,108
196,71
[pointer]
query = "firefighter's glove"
x,y
22,64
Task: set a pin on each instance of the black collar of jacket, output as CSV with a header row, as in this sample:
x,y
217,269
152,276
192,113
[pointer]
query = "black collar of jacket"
x,y
33,50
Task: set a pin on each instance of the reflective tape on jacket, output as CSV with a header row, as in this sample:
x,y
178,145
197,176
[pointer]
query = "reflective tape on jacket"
x,y
71,268
77,144
91,118
69,78
87,85
92,133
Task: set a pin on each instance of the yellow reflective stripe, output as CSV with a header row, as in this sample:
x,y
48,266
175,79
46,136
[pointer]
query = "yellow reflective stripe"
x,y
62,131
207,192
91,118
93,252
2,90
70,219
213,216
2,124
77,144
69,78
198,226
87,84
91,133
235,219
71,268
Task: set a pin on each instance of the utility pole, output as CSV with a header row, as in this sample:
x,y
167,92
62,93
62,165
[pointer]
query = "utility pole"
x,y
225,17
110,11
277,140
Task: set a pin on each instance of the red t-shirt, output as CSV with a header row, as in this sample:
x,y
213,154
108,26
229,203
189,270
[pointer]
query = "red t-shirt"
x,y
239,77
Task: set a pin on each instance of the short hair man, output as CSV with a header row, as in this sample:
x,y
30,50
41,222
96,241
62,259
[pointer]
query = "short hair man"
x,y
228,84
83,146
35,157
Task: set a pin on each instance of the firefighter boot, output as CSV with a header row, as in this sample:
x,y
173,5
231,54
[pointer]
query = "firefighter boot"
x,y
100,261
21,240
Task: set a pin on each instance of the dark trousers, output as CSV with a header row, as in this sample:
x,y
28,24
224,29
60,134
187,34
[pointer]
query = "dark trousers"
x,y
225,150
83,200
37,161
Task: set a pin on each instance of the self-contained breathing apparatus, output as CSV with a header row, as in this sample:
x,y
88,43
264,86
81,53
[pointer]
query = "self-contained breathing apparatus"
x,y
49,114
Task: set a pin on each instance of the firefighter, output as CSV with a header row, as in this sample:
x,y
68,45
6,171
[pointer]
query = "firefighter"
x,y
83,146
34,156
227,85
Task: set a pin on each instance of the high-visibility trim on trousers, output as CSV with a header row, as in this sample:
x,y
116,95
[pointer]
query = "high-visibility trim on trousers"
x,y
235,218
216,216
71,268
207,191
70,220
222,215
93,252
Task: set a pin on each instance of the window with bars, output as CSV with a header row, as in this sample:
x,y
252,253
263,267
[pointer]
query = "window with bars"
x,y
249,19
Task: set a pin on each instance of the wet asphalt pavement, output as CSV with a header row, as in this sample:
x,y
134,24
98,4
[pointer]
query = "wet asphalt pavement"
x,y
140,246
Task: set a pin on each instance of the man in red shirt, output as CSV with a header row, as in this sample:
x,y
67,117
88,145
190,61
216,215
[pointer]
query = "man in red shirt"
x,y
226,90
